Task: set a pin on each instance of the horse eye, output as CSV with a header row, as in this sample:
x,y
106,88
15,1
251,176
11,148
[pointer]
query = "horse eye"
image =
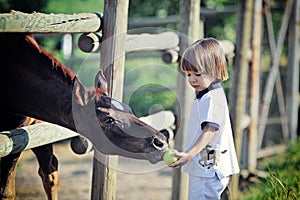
x,y
109,120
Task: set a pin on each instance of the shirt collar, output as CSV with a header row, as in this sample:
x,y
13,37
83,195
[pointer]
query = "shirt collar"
x,y
212,86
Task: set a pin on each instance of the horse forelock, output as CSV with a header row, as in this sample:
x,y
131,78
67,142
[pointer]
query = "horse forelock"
x,y
98,92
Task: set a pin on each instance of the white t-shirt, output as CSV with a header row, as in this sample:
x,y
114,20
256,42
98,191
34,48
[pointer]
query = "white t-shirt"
x,y
219,156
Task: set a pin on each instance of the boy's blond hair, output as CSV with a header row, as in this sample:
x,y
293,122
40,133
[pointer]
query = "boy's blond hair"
x,y
205,56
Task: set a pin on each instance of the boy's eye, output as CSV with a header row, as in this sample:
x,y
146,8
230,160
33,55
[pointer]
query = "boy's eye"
x,y
194,74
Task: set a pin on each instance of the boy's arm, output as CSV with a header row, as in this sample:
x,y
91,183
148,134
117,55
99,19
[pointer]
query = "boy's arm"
x,y
203,140
206,136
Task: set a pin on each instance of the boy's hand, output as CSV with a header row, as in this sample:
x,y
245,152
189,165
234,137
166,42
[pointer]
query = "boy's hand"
x,y
183,158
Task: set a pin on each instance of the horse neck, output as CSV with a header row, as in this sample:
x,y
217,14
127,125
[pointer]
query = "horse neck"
x,y
39,85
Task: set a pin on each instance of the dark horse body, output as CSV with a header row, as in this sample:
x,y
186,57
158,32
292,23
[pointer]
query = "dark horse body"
x,y
33,83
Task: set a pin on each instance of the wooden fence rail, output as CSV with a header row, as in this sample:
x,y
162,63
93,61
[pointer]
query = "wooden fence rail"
x,y
138,42
28,137
144,42
16,21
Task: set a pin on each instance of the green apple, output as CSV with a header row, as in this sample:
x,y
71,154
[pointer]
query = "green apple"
x,y
169,158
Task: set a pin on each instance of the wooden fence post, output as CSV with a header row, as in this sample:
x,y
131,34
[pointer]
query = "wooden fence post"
x,y
190,23
112,63
293,71
254,86
241,78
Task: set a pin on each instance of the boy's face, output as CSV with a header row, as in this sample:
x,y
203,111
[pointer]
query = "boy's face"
x,y
199,81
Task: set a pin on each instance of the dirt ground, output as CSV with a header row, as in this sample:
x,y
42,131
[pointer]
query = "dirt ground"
x,y
76,175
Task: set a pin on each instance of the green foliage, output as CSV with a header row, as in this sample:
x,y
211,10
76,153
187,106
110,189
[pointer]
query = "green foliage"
x,y
213,4
283,180
4,6
147,100
160,9
74,6
220,26
87,69
149,85
52,6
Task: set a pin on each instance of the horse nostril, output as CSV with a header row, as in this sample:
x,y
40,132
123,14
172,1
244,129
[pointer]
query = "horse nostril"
x,y
158,144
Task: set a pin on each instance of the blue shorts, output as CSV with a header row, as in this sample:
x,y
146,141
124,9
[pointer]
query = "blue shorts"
x,y
201,188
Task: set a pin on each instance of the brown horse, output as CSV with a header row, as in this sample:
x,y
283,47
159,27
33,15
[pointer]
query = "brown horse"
x,y
33,83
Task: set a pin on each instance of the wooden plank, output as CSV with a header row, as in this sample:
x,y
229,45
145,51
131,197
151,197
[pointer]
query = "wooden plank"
x,y
160,120
259,173
145,41
170,56
168,41
190,30
16,21
112,63
134,42
254,86
275,52
32,136
293,71
89,42
242,65
282,109
272,150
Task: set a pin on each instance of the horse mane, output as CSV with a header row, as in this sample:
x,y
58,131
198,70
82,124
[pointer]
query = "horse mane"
x,y
64,70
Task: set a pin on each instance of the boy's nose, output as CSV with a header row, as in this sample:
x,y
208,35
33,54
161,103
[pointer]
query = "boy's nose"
x,y
193,78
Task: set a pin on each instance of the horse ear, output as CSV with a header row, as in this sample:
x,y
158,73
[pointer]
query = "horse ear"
x,y
79,92
100,81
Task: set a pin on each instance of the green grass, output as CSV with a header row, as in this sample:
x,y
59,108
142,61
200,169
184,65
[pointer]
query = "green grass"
x,y
283,182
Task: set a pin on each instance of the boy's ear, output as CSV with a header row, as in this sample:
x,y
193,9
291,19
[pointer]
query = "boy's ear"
x,y
100,81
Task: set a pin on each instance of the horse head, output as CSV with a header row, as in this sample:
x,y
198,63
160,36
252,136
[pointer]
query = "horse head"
x,y
124,133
